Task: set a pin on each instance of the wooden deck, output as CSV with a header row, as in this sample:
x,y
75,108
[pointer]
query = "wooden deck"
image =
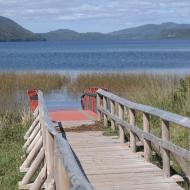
x,y
109,165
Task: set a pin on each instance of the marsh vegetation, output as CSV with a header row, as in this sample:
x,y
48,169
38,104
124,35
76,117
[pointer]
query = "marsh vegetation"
x,y
168,92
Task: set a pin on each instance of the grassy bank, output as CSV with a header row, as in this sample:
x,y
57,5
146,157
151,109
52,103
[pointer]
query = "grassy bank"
x,y
15,118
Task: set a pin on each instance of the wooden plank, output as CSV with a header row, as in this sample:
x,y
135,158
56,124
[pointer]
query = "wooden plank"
x,y
69,172
74,171
116,168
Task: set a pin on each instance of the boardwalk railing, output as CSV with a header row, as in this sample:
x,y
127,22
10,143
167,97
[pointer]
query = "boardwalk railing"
x,y
50,162
114,109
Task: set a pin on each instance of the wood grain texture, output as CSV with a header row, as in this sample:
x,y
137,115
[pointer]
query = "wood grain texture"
x,y
183,153
110,165
168,116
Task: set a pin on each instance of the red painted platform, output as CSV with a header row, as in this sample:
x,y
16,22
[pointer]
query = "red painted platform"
x,y
72,115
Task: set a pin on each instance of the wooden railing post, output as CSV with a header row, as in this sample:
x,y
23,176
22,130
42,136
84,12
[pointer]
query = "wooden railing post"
x,y
121,131
98,99
132,135
49,154
105,108
61,178
147,144
166,153
112,104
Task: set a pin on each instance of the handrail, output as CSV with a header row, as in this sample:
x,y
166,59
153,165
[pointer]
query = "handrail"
x,y
106,110
168,116
48,147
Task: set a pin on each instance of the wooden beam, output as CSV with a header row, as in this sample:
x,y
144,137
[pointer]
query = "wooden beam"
x,y
147,144
105,107
132,134
121,131
32,127
168,116
39,181
49,150
183,153
98,104
33,143
26,164
165,152
112,106
66,161
32,136
33,168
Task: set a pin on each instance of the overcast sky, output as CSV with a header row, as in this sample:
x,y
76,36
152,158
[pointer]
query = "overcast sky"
x,y
93,15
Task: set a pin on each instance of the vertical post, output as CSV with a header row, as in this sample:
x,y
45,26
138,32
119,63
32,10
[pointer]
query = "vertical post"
x,y
62,180
113,113
121,131
49,153
90,103
98,105
105,108
147,145
132,135
166,153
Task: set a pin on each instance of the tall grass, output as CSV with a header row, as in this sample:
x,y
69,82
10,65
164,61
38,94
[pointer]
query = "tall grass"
x,y
167,92
14,115
13,89
156,90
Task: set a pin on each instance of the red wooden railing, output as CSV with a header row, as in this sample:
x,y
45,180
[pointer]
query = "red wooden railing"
x,y
88,99
33,97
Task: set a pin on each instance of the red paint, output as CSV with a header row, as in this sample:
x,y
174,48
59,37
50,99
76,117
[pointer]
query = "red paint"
x,y
70,115
33,96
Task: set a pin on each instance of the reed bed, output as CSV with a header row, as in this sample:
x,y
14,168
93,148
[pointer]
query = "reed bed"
x,y
15,115
13,87
168,92
156,90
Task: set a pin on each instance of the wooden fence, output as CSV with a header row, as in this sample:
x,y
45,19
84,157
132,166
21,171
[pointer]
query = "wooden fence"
x,y
108,111
50,162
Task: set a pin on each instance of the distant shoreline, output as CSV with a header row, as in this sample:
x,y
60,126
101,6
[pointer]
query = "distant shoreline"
x,y
75,73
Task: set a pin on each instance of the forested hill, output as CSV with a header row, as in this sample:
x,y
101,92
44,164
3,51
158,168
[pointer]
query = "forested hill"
x,y
11,31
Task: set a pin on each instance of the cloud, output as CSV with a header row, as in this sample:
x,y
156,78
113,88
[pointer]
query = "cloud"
x,y
119,12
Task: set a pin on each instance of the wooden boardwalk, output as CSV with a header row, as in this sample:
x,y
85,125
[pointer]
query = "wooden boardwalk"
x,y
109,165
60,159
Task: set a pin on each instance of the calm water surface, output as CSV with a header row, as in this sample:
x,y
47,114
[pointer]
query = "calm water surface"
x,y
104,56
89,56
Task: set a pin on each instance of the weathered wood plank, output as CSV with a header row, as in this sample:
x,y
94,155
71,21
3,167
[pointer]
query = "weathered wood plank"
x,y
150,137
117,169
168,116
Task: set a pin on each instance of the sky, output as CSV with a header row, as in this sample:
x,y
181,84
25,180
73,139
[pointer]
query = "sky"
x,y
93,15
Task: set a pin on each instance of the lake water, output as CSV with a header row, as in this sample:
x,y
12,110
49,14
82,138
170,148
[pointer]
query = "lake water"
x,y
89,56
95,56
